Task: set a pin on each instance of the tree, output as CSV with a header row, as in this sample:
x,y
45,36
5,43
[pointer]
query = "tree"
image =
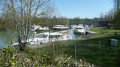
x,y
24,13
117,5
62,21
116,20
78,20
116,15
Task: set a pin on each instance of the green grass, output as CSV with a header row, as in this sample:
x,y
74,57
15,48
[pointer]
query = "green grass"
x,y
96,29
101,55
100,30
95,50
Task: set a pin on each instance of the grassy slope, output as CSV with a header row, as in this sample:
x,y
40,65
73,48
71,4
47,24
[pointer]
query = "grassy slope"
x,y
94,50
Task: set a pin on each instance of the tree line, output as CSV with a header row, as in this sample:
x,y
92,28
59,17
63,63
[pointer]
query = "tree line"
x,y
77,20
8,24
113,15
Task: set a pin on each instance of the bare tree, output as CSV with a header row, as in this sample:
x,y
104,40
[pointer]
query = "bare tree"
x,y
24,12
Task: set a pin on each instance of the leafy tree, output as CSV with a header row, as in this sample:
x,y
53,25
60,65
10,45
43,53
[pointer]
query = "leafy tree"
x,y
117,5
116,20
78,20
62,21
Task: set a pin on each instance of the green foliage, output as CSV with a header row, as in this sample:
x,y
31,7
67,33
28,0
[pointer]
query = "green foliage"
x,y
12,58
7,59
83,21
50,22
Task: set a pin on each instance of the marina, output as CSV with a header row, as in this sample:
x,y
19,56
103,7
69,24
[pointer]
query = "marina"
x,y
47,37
59,33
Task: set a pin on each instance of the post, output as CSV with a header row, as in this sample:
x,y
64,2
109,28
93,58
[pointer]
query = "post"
x,y
75,51
49,34
12,42
54,49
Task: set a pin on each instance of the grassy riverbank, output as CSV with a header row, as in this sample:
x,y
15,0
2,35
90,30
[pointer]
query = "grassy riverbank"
x,y
94,50
89,52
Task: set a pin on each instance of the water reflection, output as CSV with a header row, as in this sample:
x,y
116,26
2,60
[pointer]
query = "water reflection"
x,y
71,31
6,37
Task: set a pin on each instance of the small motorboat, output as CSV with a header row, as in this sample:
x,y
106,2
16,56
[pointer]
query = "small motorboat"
x,y
81,29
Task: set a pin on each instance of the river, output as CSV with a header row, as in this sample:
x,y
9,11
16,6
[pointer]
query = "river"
x,y
6,37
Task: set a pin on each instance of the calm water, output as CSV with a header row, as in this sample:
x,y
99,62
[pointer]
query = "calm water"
x,y
7,36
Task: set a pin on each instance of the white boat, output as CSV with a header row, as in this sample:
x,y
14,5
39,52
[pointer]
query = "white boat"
x,y
81,29
48,37
42,29
73,26
60,27
38,28
45,38
35,27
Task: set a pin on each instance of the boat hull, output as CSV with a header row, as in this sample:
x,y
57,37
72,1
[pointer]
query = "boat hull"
x,y
80,33
60,28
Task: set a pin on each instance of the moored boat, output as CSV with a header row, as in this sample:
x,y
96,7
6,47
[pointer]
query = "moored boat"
x,y
45,38
81,29
60,27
